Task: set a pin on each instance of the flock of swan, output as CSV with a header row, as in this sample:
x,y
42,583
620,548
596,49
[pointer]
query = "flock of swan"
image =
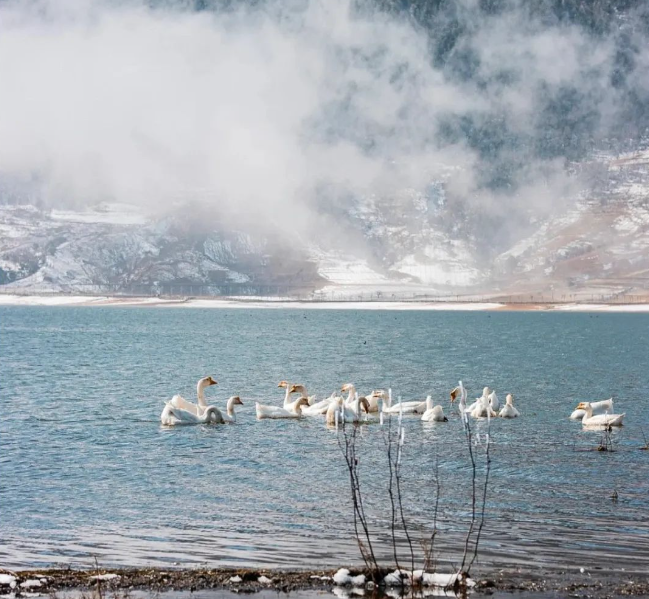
x,y
354,408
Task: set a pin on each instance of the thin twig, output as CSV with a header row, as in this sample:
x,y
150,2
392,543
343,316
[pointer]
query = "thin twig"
x,y
484,496
349,452
393,512
429,547
400,438
467,430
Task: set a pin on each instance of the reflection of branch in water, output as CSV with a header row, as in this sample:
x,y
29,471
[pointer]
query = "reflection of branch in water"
x,y
349,452
428,545
393,512
397,471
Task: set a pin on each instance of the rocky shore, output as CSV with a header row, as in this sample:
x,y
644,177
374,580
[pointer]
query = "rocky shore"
x,y
120,582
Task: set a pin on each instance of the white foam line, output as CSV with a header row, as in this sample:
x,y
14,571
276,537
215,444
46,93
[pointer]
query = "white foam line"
x,y
154,302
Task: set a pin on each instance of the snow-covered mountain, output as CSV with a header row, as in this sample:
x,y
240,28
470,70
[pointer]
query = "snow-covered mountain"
x,y
413,241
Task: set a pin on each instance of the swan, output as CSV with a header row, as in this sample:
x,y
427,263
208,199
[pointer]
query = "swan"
x,y
433,414
346,413
405,407
483,408
350,389
493,401
508,410
178,401
229,415
598,407
287,395
301,389
277,412
486,392
372,399
172,416
600,420
320,407
375,398
461,391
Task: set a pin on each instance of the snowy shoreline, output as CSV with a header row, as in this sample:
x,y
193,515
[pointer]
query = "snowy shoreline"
x,y
284,303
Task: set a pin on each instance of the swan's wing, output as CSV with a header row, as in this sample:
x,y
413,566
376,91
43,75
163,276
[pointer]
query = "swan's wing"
x,y
171,416
264,411
185,416
168,417
178,401
600,407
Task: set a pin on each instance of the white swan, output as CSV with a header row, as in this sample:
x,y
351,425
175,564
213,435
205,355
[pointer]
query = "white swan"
x,y
508,410
229,415
301,389
172,416
405,407
486,392
344,412
482,407
374,400
600,420
319,407
350,389
433,414
277,412
493,401
461,391
598,407
178,401
287,396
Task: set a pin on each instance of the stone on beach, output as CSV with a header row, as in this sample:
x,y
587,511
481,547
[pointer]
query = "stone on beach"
x,y
344,578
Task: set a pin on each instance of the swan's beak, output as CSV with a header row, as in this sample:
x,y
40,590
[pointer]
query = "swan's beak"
x,y
282,384
237,401
293,389
211,381
454,394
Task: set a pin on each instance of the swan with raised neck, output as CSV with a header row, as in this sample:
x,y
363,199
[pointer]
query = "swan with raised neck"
x,y
178,401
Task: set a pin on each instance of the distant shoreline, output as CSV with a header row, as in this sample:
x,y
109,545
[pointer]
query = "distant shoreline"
x,y
288,303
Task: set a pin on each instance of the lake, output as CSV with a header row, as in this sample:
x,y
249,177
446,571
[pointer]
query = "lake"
x,y
87,470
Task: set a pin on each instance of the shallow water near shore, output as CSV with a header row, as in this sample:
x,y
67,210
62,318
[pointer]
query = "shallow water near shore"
x,y
87,470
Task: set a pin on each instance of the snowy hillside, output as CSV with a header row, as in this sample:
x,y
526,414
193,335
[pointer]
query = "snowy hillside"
x,y
599,245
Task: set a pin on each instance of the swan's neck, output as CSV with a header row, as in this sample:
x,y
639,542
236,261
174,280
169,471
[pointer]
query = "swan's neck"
x,y
352,394
287,396
429,402
230,408
207,415
200,393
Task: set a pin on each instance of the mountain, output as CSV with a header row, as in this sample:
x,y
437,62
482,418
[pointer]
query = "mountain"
x,y
411,243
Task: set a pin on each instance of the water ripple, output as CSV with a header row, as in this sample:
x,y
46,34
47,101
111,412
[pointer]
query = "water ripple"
x,y
87,470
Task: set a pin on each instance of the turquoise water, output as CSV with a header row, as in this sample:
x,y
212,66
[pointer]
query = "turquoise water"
x,y
86,469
